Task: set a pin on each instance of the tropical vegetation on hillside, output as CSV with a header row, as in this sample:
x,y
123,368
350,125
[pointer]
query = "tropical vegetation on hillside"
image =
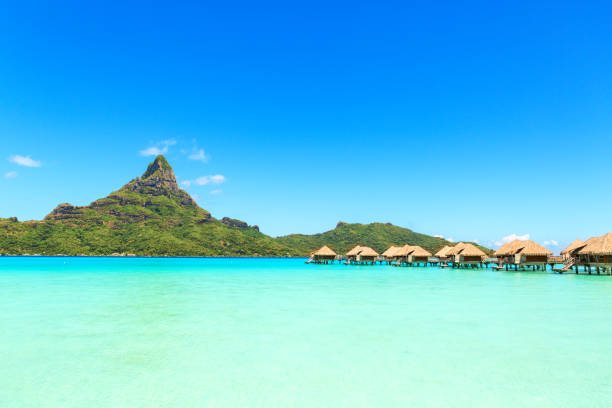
x,y
149,216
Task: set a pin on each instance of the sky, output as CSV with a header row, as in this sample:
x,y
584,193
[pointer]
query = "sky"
x,y
469,120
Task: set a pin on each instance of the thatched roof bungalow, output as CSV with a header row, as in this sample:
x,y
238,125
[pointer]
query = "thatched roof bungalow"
x,y
523,254
466,254
323,255
597,252
389,254
367,255
362,254
418,255
572,249
413,255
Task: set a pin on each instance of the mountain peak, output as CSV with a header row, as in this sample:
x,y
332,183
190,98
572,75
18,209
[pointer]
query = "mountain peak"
x,y
159,174
159,180
159,167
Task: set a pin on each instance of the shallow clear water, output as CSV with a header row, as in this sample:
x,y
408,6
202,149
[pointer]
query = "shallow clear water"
x,y
87,332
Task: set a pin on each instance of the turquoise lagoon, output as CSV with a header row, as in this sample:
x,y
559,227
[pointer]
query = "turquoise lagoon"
x,y
106,332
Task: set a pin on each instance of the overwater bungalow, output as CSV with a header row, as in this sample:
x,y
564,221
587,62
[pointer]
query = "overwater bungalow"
x,y
443,257
361,255
418,256
569,252
450,254
569,256
596,253
368,255
532,254
467,255
442,254
389,254
323,255
505,253
523,254
412,255
401,255
352,254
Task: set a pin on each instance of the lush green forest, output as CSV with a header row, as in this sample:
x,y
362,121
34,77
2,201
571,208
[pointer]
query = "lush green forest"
x,y
152,216
379,236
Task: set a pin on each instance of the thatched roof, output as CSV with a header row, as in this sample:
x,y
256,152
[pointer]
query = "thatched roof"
x,y
396,250
414,250
354,251
443,252
533,249
470,250
526,247
418,251
362,250
367,251
324,251
574,245
598,245
590,241
391,251
455,250
403,251
509,248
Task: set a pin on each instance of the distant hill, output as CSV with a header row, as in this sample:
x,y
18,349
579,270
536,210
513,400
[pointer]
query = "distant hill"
x,y
379,236
152,216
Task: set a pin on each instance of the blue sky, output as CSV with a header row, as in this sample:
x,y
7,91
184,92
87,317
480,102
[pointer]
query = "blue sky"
x,y
473,121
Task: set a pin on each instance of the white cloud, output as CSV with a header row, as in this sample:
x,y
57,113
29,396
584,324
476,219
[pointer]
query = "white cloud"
x,y
199,155
205,180
10,175
25,161
510,238
159,148
216,179
439,236
216,192
154,151
552,242
450,239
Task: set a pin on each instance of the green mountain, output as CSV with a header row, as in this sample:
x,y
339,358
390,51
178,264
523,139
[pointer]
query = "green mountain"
x,y
152,216
378,236
148,216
